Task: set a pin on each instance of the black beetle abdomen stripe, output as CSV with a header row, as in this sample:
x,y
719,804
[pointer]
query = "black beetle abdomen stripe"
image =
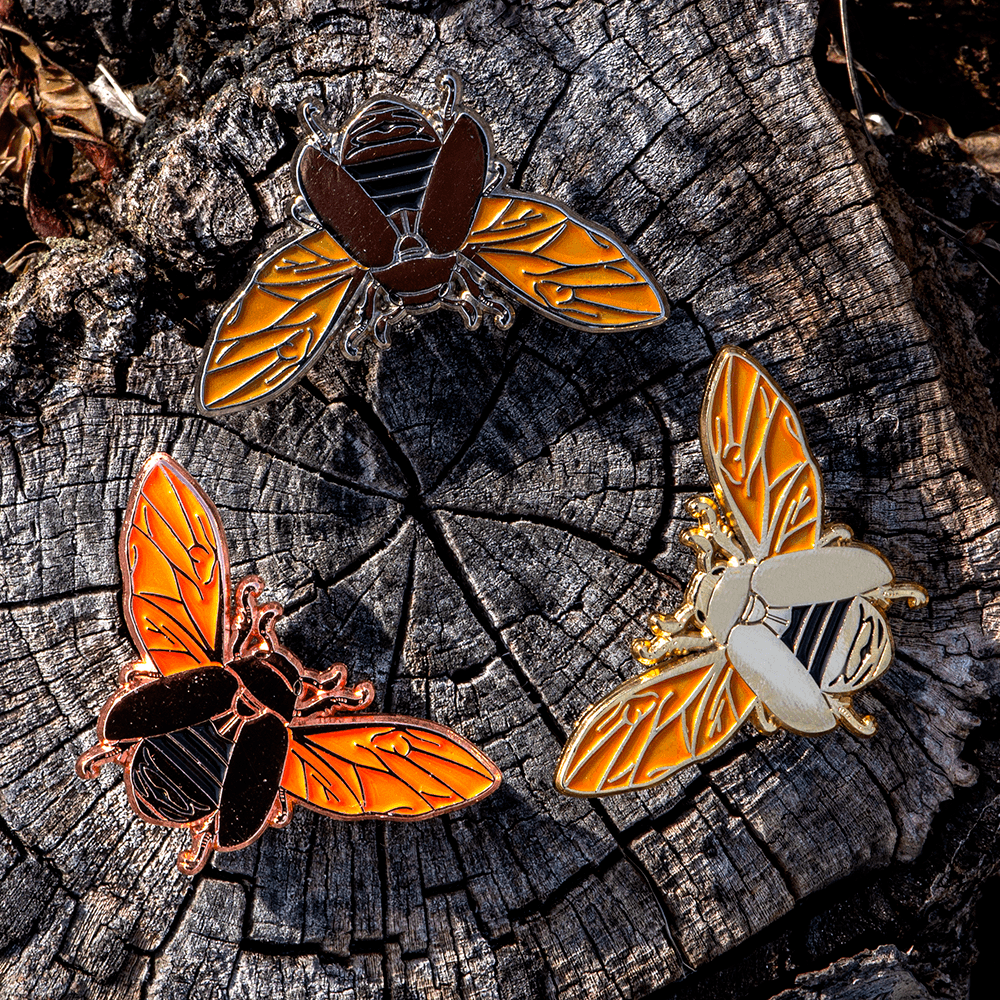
x,y
812,631
397,180
178,777
390,151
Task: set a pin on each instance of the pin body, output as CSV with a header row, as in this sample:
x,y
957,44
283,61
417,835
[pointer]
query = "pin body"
x,y
219,728
783,621
407,212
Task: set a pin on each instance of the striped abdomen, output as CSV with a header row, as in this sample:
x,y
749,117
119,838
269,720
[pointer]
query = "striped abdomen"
x,y
843,644
178,776
390,151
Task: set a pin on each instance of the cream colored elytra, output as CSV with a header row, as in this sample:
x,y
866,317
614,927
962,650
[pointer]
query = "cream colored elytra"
x,y
783,621
744,608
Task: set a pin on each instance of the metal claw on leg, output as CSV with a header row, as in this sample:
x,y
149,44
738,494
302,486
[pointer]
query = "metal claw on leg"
x,y
762,720
191,861
858,725
451,88
663,627
310,115
281,811
352,341
468,310
136,673
378,313
379,332
468,291
301,212
501,313
834,534
90,762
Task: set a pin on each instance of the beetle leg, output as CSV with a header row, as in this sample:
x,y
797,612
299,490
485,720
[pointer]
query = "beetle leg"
x,y
136,673
915,594
191,861
328,691
650,651
378,313
301,212
379,329
858,725
500,172
663,627
451,88
310,115
762,720
696,538
465,303
281,811
501,312
834,533
90,762
707,513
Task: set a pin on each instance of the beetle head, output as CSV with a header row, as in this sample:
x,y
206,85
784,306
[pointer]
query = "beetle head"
x,y
717,550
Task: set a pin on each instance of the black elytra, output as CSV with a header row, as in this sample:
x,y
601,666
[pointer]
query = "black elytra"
x,y
395,168
207,739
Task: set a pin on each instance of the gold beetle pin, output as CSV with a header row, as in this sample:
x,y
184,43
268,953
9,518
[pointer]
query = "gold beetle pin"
x,y
783,621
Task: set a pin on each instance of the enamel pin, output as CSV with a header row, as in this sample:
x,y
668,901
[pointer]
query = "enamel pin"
x,y
408,211
782,623
219,728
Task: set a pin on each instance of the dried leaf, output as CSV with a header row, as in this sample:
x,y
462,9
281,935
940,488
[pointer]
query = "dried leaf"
x,y
100,154
983,148
18,260
39,99
20,136
60,94
42,219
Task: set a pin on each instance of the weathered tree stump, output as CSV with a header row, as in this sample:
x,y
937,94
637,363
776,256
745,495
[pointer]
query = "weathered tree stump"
x,y
479,522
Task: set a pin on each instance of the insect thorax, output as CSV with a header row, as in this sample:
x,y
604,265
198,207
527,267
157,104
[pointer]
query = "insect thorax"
x,y
268,680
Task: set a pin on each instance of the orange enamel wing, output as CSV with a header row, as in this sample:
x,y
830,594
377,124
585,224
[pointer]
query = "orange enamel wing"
x,y
653,725
175,569
276,326
767,482
570,270
758,458
384,766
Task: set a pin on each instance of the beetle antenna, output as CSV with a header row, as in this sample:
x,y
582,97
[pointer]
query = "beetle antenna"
x,y
310,115
452,86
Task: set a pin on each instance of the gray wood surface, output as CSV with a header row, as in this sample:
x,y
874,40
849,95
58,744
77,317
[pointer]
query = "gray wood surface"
x,y
479,522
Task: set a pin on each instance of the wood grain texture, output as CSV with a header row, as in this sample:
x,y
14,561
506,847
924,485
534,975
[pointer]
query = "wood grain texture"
x,y
479,522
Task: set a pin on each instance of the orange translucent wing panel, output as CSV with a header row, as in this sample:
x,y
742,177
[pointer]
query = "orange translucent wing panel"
x,y
175,569
387,766
276,326
758,457
568,269
653,725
